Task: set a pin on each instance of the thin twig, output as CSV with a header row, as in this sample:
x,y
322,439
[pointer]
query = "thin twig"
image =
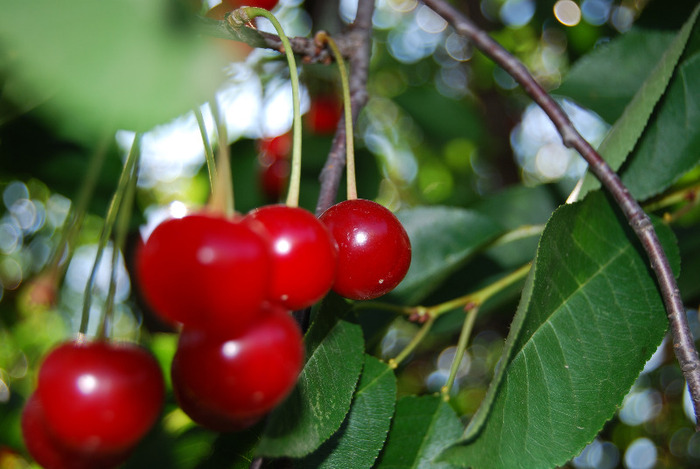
x,y
683,343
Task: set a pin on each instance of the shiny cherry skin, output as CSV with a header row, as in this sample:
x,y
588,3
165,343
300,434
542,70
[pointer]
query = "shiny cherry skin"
x,y
50,453
324,114
273,179
374,251
266,4
203,414
304,256
206,271
99,396
241,377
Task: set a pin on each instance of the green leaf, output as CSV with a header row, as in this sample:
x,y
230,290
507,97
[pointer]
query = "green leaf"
x,y
606,79
589,319
357,444
321,400
110,64
442,239
667,148
423,427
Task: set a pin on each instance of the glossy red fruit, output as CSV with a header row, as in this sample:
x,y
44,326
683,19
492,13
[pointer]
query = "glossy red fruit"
x,y
206,271
51,453
274,148
203,414
304,256
266,4
324,114
240,377
273,179
374,251
100,397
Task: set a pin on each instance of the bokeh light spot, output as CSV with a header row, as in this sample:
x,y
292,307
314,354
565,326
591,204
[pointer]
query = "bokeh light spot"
x,y
567,12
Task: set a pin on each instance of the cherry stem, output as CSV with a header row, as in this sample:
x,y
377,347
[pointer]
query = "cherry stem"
x,y
121,230
322,37
208,151
244,15
415,341
688,195
462,343
66,244
474,299
124,178
222,200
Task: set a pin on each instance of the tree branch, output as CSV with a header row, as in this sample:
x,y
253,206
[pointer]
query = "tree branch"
x,y
683,343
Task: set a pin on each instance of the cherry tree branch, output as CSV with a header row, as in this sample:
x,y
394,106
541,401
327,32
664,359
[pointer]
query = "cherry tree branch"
x,y
683,343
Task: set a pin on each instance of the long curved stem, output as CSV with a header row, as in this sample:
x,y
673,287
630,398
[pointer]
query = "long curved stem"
x,y
683,343
208,152
461,348
249,13
322,37
110,218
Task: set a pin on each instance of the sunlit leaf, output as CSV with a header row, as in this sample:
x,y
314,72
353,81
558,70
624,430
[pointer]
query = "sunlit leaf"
x,y
667,147
590,317
422,428
321,400
606,79
359,440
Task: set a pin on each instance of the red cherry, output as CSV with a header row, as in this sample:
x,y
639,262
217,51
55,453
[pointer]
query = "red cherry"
x,y
51,453
239,377
273,179
275,148
98,396
206,270
324,114
374,251
304,256
203,414
266,4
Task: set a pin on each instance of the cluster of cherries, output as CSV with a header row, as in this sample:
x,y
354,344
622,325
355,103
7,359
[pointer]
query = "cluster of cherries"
x,y
93,403
232,281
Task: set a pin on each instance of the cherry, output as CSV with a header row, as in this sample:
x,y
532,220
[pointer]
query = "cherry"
x,y
266,4
50,452
275,148
206,270
374,251
100,397
238,377
203,414
273,179
303,252
324,114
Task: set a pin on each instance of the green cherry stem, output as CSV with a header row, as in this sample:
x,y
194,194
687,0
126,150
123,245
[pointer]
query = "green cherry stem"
x,y
417,339
208,151
110,218
222,199
322,37
475,299
121,230
244,15
461,348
